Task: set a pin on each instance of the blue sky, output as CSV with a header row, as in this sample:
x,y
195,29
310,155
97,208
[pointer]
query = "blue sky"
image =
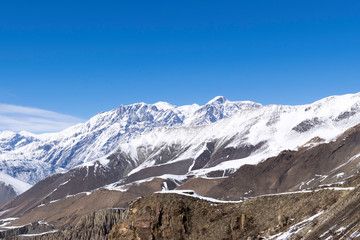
x,y
79,58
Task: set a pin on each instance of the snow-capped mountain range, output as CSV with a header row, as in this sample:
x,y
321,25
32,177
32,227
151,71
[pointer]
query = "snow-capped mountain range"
x,y
208,140
29,157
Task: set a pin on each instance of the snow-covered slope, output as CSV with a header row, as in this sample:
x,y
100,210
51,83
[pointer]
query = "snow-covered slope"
x,y
19,186
30,158
10,187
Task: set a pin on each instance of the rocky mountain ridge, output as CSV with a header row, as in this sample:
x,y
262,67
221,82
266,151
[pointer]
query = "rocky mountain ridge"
x,y
181,215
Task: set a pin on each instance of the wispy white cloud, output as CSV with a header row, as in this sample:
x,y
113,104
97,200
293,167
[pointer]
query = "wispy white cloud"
x,y
19,118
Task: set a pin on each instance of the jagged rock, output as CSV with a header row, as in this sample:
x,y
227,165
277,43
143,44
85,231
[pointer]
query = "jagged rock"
x,y
94,226
283,221
6,193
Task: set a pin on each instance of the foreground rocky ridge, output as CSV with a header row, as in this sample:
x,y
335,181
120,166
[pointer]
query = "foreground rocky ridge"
x,y
184,216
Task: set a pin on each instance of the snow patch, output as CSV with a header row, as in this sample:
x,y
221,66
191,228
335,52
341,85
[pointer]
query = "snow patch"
x,y
18,185
192,193
7,221
295,229
38,234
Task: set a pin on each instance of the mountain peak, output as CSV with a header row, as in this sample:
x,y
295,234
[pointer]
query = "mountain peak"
x,y
164,105
218,100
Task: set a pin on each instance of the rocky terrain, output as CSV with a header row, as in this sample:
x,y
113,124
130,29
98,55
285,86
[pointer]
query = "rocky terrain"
x,y
183,217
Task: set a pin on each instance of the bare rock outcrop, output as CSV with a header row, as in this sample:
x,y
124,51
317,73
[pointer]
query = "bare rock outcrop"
x,y
6,193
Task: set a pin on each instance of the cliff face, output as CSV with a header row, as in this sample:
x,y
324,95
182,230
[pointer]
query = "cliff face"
x,y
95,226
23,232
180,217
